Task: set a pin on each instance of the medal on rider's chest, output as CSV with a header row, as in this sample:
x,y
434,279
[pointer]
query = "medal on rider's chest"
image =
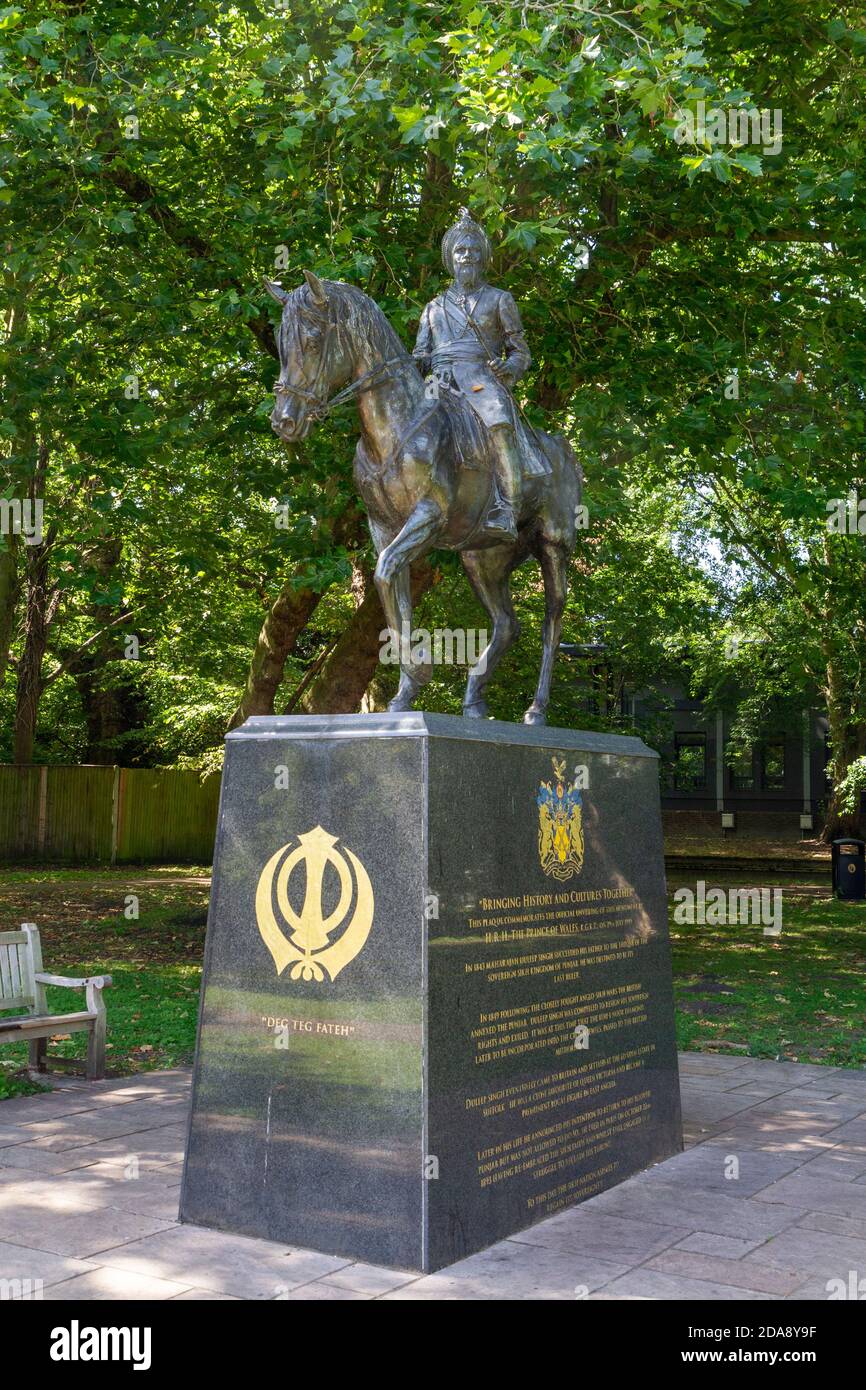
x,y
460,299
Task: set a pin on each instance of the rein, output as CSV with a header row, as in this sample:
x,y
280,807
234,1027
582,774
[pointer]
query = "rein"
x,y
320,406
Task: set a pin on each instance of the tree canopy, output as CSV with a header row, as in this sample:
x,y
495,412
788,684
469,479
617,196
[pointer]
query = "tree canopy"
x,y
691,286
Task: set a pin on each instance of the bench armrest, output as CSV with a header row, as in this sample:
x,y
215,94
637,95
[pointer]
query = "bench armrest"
x,y
70,982
93,984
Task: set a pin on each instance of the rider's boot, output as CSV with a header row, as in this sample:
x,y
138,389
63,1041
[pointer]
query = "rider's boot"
x,y
501,519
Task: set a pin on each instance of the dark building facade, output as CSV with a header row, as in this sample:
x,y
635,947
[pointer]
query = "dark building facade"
x,y
779,785
785,772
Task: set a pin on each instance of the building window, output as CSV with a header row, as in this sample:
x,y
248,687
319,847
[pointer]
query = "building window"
x,y
773,765
741,770
690,761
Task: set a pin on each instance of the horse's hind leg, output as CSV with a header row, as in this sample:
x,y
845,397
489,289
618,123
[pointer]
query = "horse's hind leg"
x,y
554,566
489,572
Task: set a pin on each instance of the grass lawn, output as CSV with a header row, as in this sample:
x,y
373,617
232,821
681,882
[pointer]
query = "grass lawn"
x,y
801,996
155,961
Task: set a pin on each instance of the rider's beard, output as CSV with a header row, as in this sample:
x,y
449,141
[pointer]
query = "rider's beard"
x,y
467,277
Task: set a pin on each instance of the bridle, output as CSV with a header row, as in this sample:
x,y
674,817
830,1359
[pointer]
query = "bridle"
x,y
319,405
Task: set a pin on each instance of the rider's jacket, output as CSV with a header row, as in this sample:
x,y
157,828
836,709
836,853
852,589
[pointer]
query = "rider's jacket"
x,y
458,354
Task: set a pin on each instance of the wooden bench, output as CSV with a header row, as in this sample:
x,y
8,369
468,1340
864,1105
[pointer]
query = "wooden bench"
x,y
22,986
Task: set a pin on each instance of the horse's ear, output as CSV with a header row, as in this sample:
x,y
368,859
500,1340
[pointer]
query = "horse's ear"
x,y
275,290
317,289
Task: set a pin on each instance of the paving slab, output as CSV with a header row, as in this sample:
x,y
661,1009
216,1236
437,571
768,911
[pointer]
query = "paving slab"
x,y
809,1193
738,1274
737,1172
156,1147
206,1296
148,1195
584,1231
773,1139
240,1265
28,1158
818,1289
74,1233
90,1178
835,1225
843,1162
50,1193
368,1279
701,1209
812,1253
851,1132
106,1283
514,1270
799,1104
20,1262
324,1292
709,1107
708,1243
654,1283
711,1064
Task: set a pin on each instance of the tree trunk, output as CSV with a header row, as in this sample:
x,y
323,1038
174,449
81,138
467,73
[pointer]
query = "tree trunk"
x,y
378,693
9,591
37,622
14,329
111,709
284,623
281,629
848,743
30,685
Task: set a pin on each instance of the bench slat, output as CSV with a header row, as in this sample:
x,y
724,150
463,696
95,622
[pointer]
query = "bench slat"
x,y
17,1001
49,1030
28,984
15,970
55,1023
16,989
6,990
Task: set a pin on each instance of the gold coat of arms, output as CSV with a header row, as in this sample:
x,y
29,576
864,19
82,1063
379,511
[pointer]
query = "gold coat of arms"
x,y
560,824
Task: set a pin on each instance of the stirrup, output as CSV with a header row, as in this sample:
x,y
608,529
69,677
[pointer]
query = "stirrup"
x,y
500,521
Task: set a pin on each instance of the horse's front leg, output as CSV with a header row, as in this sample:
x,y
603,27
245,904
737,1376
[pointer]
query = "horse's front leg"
x,y
393,582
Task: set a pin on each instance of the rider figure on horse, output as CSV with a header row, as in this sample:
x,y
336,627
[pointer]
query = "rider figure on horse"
x,y
471,338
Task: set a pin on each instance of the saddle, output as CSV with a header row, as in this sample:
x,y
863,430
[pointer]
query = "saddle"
x,y
471,439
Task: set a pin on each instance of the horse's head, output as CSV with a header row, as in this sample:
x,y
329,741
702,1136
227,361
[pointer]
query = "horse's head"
x,y
312,356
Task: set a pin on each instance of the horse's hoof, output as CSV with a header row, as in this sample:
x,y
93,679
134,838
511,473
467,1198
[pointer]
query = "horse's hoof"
x,y
399,706
477,710
534,716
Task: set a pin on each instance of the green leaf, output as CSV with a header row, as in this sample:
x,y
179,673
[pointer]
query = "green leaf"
x,y
542,86
750,162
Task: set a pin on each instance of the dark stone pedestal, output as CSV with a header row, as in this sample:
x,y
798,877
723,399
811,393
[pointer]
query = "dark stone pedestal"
x,y
437,998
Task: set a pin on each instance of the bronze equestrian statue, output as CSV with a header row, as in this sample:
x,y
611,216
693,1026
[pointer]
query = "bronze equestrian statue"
x,y
444,464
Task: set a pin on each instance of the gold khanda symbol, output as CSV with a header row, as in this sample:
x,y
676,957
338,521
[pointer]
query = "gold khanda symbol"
x,y
307,946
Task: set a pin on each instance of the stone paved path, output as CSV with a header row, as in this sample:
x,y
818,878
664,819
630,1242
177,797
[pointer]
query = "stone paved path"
x,y
90,1177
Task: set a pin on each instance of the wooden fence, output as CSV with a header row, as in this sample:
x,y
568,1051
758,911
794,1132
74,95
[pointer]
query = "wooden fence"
x,y
111,815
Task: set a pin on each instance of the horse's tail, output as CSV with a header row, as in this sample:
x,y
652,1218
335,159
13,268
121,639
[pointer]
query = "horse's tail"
x,y
572,458
558,449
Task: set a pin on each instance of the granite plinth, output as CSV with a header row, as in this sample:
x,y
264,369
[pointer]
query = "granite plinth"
x,y
437,1000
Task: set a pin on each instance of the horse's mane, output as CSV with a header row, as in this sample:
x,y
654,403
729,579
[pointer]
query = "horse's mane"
x,y
357,316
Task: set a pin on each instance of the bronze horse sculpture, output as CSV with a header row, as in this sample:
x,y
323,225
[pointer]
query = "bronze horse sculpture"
x,y
421,490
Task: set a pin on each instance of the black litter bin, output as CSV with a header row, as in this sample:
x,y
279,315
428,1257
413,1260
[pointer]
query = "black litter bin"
x,y
849,868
